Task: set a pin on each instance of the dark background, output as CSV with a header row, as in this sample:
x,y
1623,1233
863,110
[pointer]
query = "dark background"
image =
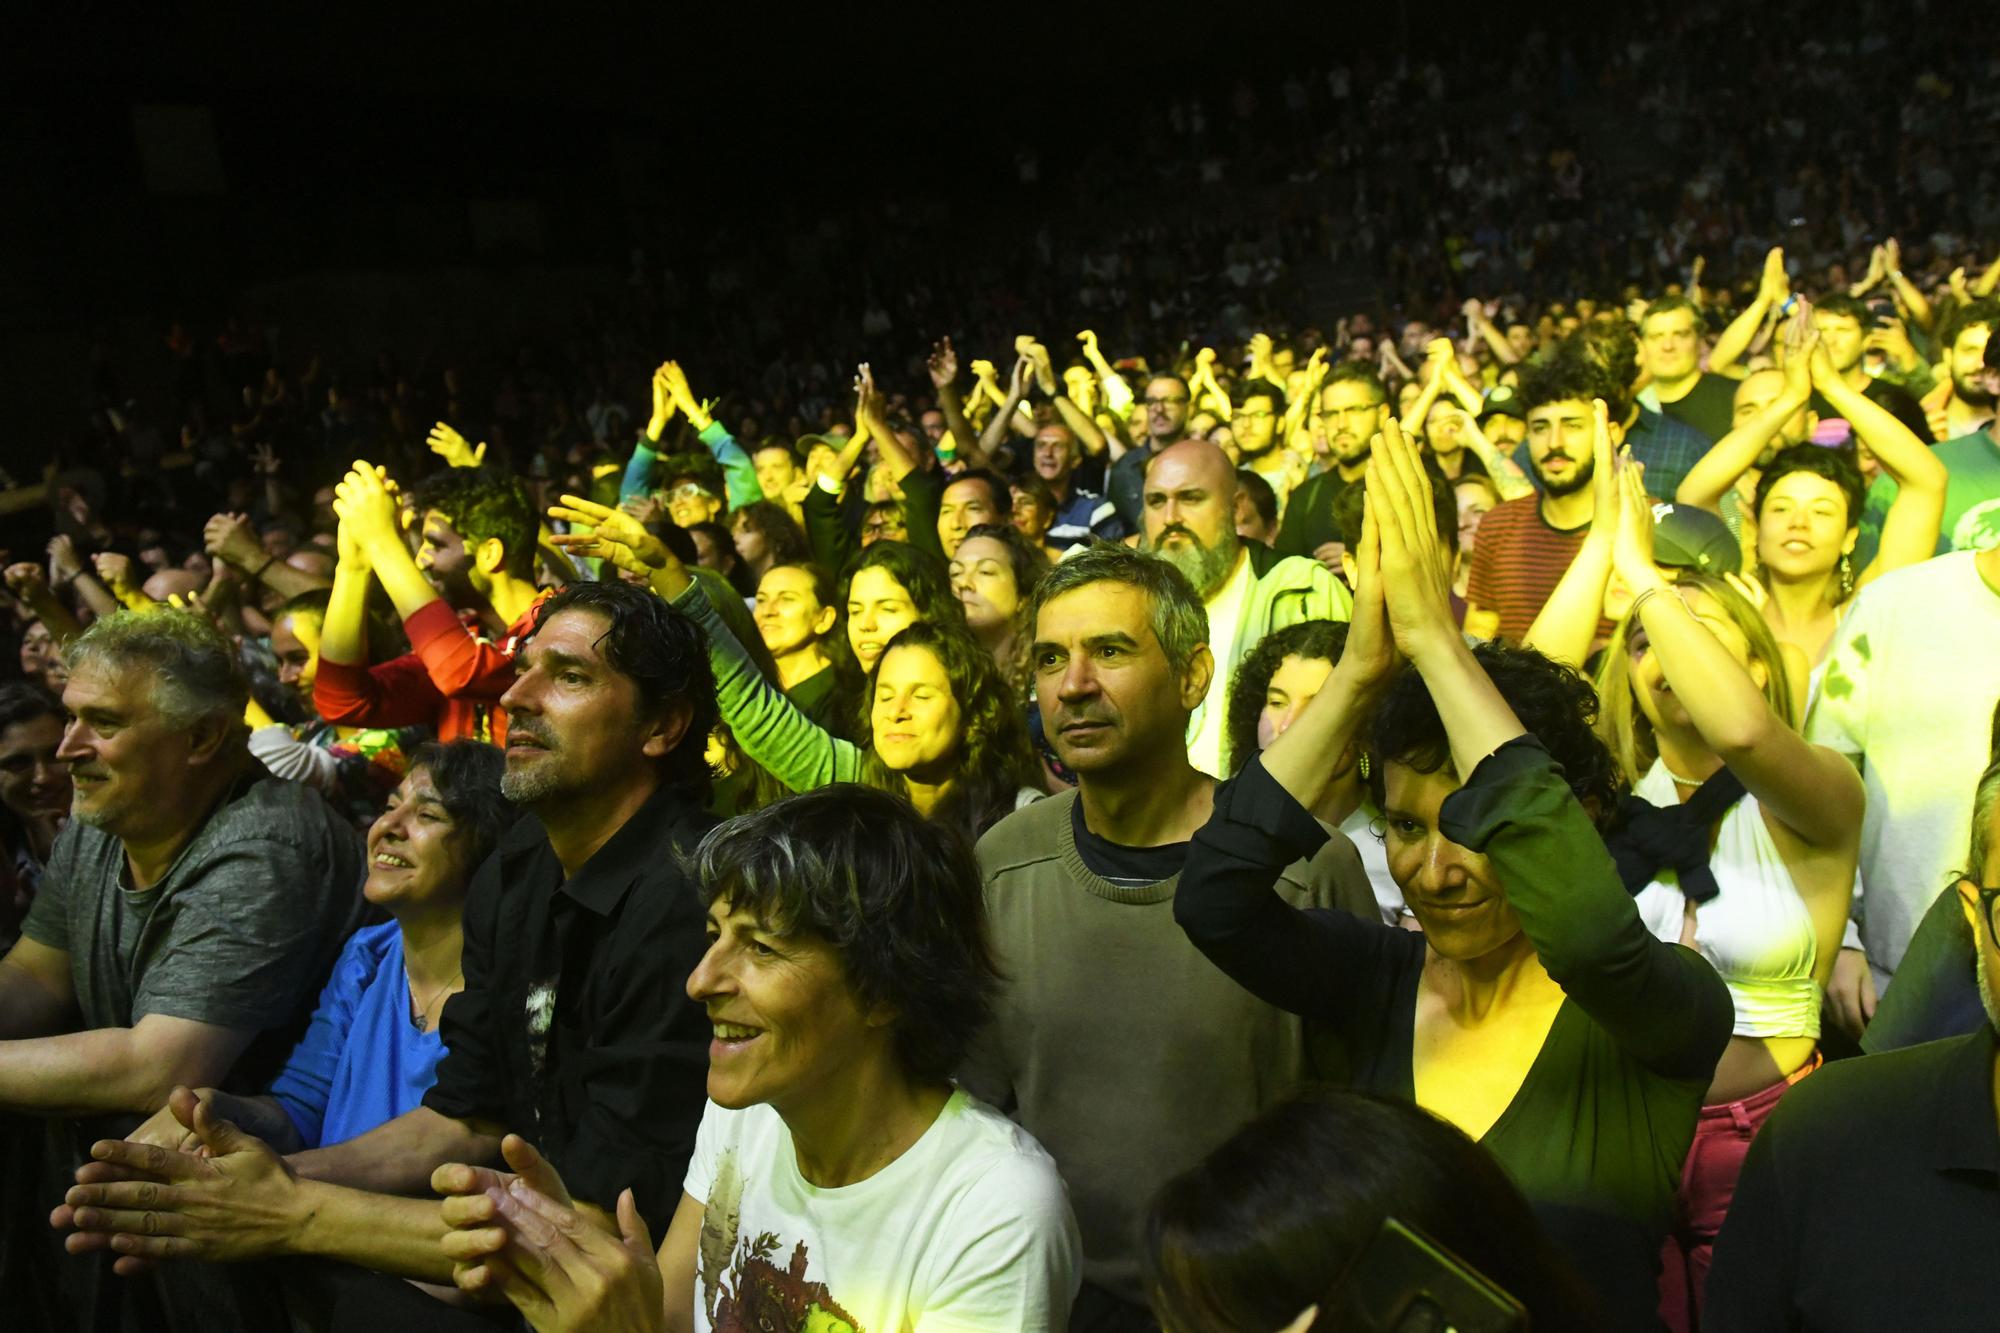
x,y
356,180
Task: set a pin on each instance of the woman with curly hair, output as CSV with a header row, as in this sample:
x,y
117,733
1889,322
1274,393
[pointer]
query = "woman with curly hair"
x,y
938,725
1536,1011
994,572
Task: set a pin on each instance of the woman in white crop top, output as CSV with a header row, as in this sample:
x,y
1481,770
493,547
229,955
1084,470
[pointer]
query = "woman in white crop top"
x,y
1750,855
1741,840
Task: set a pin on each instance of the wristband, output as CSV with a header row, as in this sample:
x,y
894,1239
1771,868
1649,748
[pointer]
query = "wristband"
x,y
1632,611
258,577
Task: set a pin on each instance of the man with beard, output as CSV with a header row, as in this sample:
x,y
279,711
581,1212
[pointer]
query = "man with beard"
x,y
1246,588
472,577
1972,496
574,1029
1525,544
1166,409
1256,423
1964,403
1353,404
1079,514
1124,1052
1908,1136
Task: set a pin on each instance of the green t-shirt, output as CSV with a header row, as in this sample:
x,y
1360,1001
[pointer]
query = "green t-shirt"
x,y
1971,499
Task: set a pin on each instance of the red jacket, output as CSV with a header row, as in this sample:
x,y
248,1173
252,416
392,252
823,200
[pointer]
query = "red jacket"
x,y
453,680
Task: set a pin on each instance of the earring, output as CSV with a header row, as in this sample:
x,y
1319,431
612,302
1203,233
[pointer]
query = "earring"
x,y
1846,576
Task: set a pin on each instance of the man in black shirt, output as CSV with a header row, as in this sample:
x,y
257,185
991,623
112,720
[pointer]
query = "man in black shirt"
x,y
1352,406
574,1028
1670,349
1871,1199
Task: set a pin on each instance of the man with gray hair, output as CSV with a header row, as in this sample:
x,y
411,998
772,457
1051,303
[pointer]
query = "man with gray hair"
x,y
1114,1043
190,908
1247,589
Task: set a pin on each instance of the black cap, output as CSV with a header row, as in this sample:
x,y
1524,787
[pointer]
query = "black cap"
x,y
1685,537
1502,400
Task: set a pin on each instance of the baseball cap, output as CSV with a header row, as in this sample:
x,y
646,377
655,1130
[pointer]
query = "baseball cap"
x,y
1502,400
1685,537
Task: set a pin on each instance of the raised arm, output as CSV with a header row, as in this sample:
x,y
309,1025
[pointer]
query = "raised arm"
x,y
943,367
1017,390
1737,452
1118,395
1772,289
1088,436
1659,1001
1482,328
1813,791
1910,529
1313,962
769,727
30,586
739,473
638,476
230,537
1910,296
1566,626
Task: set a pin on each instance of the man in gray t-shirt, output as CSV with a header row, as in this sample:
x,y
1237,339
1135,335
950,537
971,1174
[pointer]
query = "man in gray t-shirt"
x,y
193,903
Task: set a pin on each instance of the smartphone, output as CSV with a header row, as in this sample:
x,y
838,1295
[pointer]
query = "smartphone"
x,y
1404,1282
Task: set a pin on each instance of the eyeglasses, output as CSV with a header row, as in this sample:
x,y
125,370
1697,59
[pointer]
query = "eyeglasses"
x,y
1264,415
1988,895
690,490
1164,402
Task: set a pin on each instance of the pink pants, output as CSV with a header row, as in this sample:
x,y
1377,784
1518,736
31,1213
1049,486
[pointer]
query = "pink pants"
x,y
1708,1182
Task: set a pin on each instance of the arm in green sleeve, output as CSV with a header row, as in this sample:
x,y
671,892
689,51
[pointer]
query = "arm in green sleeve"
x,y
737,469
765,723
1661,1002
638,477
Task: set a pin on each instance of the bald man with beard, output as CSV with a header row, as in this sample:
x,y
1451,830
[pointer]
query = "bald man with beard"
x,y
1248,590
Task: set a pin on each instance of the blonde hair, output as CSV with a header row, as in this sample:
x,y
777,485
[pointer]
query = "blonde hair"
x,y
1621,723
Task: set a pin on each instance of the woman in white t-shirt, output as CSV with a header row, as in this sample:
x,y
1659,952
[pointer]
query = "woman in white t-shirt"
x,y
839,1179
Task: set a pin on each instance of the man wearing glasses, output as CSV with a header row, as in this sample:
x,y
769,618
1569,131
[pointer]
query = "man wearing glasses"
x,y
1871,1199
1166,414
1255,426
1352,407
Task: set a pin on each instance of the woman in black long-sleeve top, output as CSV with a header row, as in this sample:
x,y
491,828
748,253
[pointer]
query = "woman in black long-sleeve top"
x,y
1535,1011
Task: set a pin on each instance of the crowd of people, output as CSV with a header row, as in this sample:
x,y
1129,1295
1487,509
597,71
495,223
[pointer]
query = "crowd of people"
x,y
1489,814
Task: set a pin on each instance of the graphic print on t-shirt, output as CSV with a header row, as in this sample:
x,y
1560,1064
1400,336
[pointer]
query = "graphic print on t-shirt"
x,y
757,1296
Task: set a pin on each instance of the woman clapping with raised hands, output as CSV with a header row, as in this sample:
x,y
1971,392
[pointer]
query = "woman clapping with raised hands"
x,y
1536,1012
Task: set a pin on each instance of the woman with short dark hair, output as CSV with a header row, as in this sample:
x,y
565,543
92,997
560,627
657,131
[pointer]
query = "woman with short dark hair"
x,y
1536,1012
837,1169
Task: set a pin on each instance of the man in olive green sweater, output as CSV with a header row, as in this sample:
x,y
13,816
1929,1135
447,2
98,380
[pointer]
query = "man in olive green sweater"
x,y
1116,1044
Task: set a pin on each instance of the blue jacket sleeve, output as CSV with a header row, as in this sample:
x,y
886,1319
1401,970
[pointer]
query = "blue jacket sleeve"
x,y
738,471
639,471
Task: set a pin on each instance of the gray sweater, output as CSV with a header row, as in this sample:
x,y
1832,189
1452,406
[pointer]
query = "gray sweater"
x,y
1116,1044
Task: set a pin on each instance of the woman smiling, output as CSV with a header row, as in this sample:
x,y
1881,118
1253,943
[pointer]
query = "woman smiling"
x,y
1535,1011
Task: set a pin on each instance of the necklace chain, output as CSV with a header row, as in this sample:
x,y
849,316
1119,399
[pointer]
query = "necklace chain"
x,y
421,1017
